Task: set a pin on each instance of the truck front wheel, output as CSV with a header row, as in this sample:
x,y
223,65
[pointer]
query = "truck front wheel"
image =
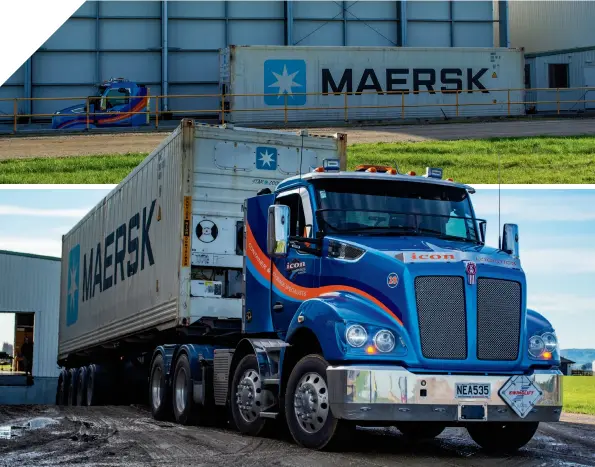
x,y
183,399
502,438
307,408
246,397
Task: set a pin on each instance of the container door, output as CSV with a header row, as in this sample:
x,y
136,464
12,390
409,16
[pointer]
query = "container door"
x,y
298,273
590,83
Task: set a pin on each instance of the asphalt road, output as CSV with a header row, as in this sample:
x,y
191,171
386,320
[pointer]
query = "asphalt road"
x,y
128,436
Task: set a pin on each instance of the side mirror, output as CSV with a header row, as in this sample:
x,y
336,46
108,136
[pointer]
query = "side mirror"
x,y
482,231
278,231
510,239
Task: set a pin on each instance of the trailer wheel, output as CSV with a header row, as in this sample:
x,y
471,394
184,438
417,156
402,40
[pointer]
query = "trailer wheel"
x,y
81,387
160,402
307,409
72,386
182,392
420,430
92,387
245,397
502,438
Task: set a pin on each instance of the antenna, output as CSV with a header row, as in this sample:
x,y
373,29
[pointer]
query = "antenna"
x,y
499,225
301,152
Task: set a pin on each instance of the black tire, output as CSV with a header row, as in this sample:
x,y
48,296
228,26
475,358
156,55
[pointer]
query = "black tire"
x,y
184,408
92,387
502,438
72,387
81,387
421,430
317,432
247,421
60,389
159,391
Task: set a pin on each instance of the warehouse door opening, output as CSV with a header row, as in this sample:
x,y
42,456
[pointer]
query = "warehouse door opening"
x,y
16,348
590,83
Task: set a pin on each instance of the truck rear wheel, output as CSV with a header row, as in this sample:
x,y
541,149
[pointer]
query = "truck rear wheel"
x,y
307,408
420,430
502,438
73,383
245,397
81,387
160,402
182,392
92,386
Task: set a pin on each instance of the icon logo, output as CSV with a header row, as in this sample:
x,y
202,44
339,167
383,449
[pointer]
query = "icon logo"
x,y
295,267
285,77
266,158
72,305
471,270
392,280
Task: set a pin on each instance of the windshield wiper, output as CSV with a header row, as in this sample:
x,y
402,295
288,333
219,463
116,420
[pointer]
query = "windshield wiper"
x,y
444,236
396,231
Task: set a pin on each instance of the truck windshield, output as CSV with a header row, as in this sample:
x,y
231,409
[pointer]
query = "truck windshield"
x,y
387,207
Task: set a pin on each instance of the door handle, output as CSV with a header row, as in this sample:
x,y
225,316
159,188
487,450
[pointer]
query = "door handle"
x,y
278,307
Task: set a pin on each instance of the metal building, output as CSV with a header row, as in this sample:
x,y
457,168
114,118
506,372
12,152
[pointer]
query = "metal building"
x,y
559,41
172,46
30,288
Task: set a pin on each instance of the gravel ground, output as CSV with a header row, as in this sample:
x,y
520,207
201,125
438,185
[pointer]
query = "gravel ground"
x,y
128,436
122,143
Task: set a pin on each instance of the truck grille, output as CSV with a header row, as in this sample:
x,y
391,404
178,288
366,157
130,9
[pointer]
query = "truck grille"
x,y
498,319
442,317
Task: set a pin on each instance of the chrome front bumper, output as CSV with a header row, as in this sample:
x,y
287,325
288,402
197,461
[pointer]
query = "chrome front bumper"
x,y
392,393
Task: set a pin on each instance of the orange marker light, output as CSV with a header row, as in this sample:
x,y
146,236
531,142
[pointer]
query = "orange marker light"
x,y
450,179
319,169
370,350
547,355
392,171
372,169
411,172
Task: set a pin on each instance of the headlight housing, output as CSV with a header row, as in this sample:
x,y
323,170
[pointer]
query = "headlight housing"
x,y
543,345
364,339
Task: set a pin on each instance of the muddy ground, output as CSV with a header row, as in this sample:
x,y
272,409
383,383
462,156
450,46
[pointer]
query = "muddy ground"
x,y
128,436
122,143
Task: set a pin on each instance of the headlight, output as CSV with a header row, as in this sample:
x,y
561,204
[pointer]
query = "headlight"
x,y
356,335
550,341
384,341
536,346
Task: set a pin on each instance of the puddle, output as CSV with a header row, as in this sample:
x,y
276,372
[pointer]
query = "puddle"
x,y
9,432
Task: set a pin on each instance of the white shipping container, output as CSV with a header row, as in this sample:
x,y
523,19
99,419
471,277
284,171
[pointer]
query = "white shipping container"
x,y
268,84
129,265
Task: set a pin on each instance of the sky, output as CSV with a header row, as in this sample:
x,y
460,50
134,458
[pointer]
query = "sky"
x,y
556,232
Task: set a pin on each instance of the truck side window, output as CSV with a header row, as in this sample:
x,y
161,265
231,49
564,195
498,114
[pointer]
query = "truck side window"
x,y
115,97
297,225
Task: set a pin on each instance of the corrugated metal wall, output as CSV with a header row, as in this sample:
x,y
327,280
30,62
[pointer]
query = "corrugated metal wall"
x,y
577,62
541,26
32,284
106,39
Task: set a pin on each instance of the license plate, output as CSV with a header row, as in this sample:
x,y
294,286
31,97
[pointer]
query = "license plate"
x,y
473,391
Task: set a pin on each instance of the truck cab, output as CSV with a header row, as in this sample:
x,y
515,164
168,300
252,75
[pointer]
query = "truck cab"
x,y
116,103
394,310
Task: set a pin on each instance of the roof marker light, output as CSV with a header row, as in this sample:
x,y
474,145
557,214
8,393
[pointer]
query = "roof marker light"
x,y
319,169
376,168
411,172
450,179
372,170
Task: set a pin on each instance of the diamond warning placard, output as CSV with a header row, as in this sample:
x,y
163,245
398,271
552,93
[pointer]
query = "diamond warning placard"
x,y
521,394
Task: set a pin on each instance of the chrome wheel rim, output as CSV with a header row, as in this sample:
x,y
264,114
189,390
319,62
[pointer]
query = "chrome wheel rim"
x,y
310,402
180,390
156,388
248,395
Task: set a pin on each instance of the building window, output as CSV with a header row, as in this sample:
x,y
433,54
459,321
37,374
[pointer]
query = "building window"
x,y
527,76
558,75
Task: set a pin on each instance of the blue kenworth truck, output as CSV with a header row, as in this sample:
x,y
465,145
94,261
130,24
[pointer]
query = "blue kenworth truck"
x,y
246,275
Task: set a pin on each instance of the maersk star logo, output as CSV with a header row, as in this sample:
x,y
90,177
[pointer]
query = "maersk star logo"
x,y
266,158
72,304
285,78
